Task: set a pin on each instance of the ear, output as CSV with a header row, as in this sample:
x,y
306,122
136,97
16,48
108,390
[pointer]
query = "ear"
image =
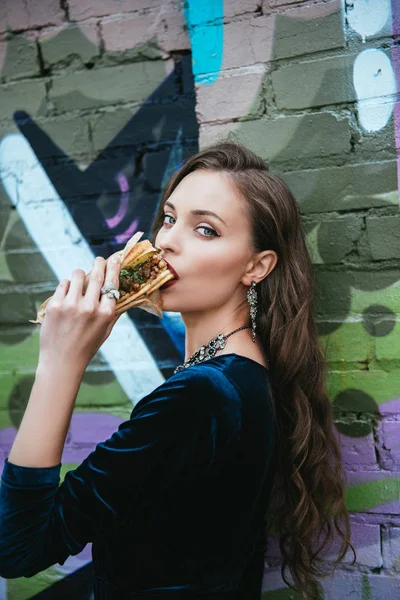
x,y
260,266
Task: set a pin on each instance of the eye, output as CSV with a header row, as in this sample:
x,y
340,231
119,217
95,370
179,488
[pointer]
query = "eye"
x,y
166,216
212,234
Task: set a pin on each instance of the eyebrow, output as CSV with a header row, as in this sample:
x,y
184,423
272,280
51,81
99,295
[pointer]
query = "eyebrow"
x,y
198,211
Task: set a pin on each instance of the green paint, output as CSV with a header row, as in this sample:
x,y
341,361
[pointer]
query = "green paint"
x,y
25,588
381,385
349,343
371,494
312,245
106,397
366,592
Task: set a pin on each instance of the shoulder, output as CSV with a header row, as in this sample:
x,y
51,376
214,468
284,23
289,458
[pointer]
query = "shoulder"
x,y
195,389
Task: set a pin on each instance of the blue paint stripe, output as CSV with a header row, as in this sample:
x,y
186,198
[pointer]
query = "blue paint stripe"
x,y
204,19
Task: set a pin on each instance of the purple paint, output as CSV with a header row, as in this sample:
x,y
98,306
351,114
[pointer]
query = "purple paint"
x,y
85,431
124,201
358,451
124,237
390,407
91,428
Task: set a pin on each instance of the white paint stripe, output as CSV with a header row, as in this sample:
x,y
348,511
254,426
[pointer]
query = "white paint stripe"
x,y
50,225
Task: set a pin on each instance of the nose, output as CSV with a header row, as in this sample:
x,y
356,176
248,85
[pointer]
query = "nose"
x,y
168,240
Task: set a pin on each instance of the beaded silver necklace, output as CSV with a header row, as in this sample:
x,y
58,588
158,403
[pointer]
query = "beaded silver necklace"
x,y
209,350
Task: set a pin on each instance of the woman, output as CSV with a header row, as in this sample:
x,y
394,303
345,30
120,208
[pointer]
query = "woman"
x,y
175,502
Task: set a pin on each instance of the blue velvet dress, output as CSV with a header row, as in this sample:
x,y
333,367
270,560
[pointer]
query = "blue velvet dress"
x,y
173,502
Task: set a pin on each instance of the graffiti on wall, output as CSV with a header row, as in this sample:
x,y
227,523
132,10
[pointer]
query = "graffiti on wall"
x,y
60,209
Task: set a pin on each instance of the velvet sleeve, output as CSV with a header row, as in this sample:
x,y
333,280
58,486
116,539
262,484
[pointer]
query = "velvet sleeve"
x,y
42,522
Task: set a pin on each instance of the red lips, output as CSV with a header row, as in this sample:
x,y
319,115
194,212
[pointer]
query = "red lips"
x,y
172,270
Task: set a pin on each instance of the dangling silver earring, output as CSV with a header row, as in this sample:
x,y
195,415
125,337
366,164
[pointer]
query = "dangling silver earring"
x,y
252,300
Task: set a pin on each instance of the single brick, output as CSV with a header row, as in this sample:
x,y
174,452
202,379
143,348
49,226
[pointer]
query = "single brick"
x,y
71,136
307,29
101,87
315,83
384,236
20,57
84,9
283,138
166,29
29,96
358,452
349,343
70,41
366,539
349,187
18,15
254,37
230,97
333,239
383,586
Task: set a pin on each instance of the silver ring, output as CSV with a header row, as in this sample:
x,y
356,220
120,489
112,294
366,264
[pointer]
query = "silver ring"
x,y
110,290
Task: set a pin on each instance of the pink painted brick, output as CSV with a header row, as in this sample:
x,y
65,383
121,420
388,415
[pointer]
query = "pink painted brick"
x,y
20,14
166,26
84,9
229,97
254,37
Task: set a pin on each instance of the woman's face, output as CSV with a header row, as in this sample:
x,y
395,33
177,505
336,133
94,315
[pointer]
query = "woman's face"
x,y
209,252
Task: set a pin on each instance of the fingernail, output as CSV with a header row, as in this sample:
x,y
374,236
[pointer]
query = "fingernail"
x,y
116,259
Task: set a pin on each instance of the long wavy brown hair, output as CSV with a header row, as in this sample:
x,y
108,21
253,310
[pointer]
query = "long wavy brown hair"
x,y
308,510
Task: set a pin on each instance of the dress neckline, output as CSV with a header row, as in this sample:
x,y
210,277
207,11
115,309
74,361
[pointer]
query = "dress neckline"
x,y
237,356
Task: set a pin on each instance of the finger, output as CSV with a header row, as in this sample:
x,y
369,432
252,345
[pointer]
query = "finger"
x,y
113,268
76,286
96,280
61,291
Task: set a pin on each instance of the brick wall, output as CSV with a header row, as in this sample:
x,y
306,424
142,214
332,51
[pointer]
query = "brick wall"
x,y
100,101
